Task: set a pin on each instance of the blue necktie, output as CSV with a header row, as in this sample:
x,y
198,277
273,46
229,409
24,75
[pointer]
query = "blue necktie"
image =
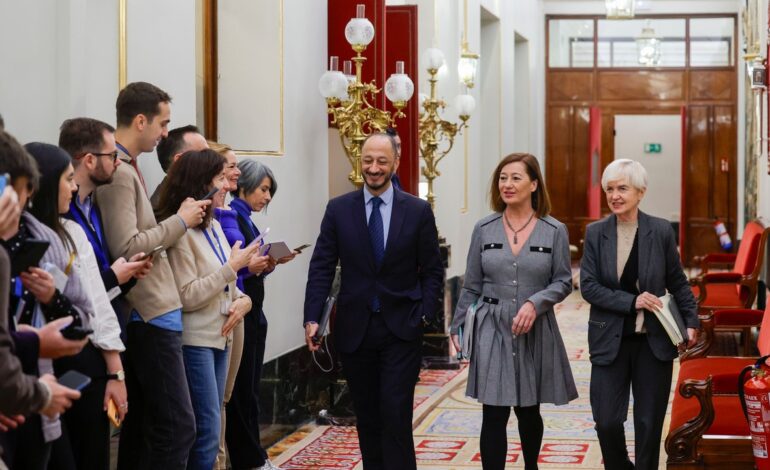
x,y
377,236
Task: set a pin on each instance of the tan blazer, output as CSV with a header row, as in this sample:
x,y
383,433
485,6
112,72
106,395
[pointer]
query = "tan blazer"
x,y
130,228
202,279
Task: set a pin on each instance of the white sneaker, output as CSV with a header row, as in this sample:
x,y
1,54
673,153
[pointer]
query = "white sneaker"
x,y
268,466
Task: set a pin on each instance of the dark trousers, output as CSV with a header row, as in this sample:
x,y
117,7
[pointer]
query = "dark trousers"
x,y
242,430
31,452
494,438
159,429
382,375
85,426
637,370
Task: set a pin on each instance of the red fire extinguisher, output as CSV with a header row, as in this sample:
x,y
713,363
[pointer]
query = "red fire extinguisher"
x,y
755,400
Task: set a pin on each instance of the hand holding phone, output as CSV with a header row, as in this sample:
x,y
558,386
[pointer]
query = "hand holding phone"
x,y
112,413
152,253
29,255
301,247
75,332
74,380
9,205
210,194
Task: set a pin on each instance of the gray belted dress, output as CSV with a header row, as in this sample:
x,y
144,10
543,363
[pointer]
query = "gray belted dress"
x,y
527,369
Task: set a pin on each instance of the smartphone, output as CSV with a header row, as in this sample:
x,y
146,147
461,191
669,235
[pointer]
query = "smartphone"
x,y
74,380
112,413
5,179
154,252
75,332
301,247
210,194
260,237
29,255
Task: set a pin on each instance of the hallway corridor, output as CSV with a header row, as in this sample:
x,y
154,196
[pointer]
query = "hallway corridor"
x,y
447,423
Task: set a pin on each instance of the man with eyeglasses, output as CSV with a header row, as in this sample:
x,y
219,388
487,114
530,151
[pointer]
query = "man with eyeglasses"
x,y
91,144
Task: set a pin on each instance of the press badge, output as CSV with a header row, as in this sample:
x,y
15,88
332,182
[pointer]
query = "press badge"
x,y
224,304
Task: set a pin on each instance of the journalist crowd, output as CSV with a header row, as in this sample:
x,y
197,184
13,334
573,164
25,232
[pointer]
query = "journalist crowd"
x,y
143,312
110,296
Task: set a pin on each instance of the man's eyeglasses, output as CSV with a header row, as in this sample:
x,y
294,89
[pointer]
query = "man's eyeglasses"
x,y
113,155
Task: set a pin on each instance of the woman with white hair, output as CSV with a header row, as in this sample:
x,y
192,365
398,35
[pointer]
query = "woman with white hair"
x,y
629,260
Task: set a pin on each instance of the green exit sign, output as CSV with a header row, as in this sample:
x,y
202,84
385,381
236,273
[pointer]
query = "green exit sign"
x,y
652,148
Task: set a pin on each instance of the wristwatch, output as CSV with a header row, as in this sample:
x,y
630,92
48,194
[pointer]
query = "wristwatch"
x,y
119,375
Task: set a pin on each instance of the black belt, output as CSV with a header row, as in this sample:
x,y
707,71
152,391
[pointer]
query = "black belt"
x,y
490,300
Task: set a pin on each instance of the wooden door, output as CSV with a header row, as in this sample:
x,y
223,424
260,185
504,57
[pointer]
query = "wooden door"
x,y
709,177
567,150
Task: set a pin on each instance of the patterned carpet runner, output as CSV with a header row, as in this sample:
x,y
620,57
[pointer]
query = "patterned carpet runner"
x,y
447,423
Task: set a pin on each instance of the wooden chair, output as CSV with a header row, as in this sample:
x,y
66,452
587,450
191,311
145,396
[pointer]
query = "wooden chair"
x,y
710,430
736,288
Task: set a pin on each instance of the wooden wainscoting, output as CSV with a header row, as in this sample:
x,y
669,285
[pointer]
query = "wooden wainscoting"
x,y
708,97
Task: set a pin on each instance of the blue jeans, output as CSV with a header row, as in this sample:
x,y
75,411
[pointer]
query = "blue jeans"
x,y
206,373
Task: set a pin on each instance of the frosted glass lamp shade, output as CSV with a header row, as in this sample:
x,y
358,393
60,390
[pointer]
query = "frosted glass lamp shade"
x,y
399,87
465,104
433,58
359,32
333,84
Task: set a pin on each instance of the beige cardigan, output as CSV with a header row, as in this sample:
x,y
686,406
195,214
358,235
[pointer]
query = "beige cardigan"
x,y
130,227
201,279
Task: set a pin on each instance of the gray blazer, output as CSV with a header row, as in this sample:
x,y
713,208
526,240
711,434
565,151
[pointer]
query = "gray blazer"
x,y
659,270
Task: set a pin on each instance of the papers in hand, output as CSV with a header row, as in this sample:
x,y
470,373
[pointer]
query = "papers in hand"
x,y
466,333
671,320
276,250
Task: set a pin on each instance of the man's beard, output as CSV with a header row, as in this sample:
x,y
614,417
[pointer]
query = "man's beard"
x,y
97,181
380,186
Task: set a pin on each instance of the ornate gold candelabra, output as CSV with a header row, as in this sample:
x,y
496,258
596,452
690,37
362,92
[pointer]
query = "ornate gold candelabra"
x,y
349,99
436,134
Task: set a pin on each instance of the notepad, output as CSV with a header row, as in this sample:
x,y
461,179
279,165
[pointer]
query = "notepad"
x,y
671,320
276,250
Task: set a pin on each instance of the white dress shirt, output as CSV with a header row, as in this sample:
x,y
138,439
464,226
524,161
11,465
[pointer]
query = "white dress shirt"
x,y
106,335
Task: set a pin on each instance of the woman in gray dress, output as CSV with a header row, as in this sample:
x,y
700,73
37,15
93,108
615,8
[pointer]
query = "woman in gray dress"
x,y
518,268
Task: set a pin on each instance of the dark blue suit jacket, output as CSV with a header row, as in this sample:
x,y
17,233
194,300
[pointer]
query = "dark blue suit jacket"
x,y
408,283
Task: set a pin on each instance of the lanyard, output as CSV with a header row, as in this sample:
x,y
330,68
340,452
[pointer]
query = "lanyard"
x,y
17,286
93,231
122,149
221,253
